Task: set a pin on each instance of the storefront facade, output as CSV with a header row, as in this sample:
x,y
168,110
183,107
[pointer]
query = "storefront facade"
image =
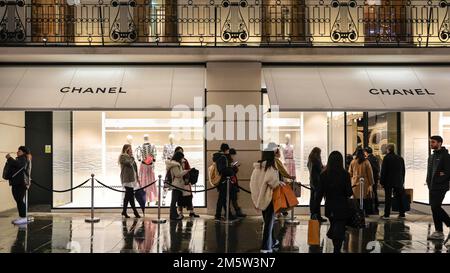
x,y
94,109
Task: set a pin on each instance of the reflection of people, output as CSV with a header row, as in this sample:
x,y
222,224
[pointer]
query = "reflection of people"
x,y
128,236
360,168
129,179
335,186
186,199
393,179
19,244
315,167
145,236
263,181
175,168
438,175
20,173
375,164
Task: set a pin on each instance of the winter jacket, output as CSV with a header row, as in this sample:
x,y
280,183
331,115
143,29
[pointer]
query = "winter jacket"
x,y
22,177
361,170
336,189
262,183
177,172
223,166
128,169
375,164
392,171
438,162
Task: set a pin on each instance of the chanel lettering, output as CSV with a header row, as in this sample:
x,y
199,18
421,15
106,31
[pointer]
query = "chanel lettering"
x,y
401,92
90,90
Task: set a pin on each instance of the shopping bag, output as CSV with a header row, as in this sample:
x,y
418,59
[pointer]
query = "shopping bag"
x,y
313,232
291,199
297,188
279,201
406,202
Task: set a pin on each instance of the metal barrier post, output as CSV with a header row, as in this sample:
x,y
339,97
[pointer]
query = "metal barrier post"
x,y
292,221
361,190
159,220
29,218
92,219
227,213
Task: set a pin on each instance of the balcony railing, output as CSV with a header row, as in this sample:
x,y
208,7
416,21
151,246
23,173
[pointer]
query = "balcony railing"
x,y
295,23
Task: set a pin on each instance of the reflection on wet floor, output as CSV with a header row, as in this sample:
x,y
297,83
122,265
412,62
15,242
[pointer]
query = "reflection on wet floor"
x,y
69,233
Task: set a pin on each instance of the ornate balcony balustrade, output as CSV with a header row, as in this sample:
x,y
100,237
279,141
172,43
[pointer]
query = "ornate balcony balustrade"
x,y
294,23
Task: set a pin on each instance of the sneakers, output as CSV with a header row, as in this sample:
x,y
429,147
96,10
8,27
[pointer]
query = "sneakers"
x,y
266,251
20,221
437,235
276,246
401,216
384,217
218,218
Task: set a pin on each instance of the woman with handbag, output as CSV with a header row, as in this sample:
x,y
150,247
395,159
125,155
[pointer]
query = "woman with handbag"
x,y
186,199
315,167
176,171
129,178
361,170
20,180
263,181
335,186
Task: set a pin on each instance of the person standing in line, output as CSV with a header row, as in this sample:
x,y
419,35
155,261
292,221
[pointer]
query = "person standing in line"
x,y
284,174
375,164
235,183
315,167
393,179
174,166
360,168
225,170
335,186
438,175
186,199
20,182
129,178
263,181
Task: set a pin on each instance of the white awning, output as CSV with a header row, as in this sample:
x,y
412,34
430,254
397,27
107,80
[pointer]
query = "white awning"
x,y
358,88
100,87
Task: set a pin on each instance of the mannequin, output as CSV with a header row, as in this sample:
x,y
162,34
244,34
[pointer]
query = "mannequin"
x,y
288,154
146,154
130,139
168,151
169,148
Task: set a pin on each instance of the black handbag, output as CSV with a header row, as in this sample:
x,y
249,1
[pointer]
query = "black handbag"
x,y
193,176
357,219
405,201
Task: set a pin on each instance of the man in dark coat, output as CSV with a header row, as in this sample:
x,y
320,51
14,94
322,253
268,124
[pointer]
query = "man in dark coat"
x,y
225,170
438,176
375,164
393,179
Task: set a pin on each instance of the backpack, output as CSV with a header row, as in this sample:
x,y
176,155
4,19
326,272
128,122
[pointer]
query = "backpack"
x,y
213,175
193,176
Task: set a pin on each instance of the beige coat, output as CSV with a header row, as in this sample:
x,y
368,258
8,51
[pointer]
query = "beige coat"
x,y
357,171
262,184
177,173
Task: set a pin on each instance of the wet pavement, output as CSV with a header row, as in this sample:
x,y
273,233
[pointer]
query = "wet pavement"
x,y
68,232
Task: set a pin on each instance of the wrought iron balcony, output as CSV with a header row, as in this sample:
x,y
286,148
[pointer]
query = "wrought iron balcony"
x,y
294,23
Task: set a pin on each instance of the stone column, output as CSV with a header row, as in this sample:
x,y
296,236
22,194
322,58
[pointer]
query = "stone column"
x,y
234,83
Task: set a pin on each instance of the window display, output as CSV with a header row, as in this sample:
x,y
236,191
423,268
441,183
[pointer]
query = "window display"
x,y
97,138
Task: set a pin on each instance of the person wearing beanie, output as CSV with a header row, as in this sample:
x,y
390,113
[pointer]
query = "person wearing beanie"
x,y
20,180
225,170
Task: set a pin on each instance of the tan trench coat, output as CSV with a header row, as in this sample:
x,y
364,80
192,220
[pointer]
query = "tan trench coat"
x,y
357,171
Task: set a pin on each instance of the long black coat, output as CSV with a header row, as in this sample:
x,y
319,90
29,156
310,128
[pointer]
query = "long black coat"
x,y
438,162
392,171
21,167
336,188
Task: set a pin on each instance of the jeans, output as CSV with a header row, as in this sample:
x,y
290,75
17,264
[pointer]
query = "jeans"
x,y
129,198
399,193
176,198
268,232
222,200
18,192
439,214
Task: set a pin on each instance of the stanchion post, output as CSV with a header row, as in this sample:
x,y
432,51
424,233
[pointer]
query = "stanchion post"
x,y
361,190
227,213
292,221
92,219
159,220
29,218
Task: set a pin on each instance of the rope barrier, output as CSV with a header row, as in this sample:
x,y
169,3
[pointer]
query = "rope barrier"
x,y
245,190
59,191
181,189
113,189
